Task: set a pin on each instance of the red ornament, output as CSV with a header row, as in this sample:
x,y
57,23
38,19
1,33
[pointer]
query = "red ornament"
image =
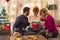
x,y
7,0
7,28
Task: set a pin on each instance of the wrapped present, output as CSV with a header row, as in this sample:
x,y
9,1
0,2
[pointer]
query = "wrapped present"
x,y
7,27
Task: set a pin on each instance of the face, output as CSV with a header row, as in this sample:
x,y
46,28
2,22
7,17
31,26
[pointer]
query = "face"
x,y
43,15
27,13
35,13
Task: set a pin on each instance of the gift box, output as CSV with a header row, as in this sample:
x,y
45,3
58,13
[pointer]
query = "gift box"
x,y
7,27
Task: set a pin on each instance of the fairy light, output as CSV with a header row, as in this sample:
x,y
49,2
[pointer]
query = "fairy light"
x,y
11,20
6,4
14,5
12,12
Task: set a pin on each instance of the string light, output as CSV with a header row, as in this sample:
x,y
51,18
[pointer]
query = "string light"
x,y
14,5
6,4
12,12
12,20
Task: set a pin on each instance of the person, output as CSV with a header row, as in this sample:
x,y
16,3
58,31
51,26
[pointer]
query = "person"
x,y
21,22
34,19
49,23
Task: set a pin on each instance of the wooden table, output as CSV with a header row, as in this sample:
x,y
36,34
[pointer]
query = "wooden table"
x,y
30,37
34,37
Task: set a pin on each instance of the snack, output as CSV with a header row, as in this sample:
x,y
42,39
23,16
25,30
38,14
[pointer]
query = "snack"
x,y
18,38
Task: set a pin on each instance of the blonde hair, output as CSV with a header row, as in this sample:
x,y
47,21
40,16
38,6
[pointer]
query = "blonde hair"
x,y
43,10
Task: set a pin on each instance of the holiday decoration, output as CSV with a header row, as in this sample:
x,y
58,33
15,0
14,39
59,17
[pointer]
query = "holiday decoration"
x,y
3,12
20,5
3,17
47,5
7,0
4,22
7,27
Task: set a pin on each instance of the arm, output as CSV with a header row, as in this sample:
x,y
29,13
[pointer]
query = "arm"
x,y
51,24
18,20
26,23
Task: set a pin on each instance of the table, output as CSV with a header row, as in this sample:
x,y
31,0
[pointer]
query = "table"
x,y
30,37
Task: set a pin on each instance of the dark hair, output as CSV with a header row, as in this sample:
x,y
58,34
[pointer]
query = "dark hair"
x,y
26,9
44,10
36,9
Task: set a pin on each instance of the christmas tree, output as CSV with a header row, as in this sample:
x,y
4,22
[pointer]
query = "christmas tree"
x,y
3,17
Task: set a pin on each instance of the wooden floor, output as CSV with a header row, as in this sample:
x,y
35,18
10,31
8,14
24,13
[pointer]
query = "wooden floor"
x,y
58,38
4,37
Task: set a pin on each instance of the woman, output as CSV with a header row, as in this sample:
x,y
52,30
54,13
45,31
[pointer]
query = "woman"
x,y
34,17
49,23
34,20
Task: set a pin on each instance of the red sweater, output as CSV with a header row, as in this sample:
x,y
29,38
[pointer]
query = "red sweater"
x,y
50,24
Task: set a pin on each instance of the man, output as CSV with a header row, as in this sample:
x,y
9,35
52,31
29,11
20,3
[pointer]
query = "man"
x,y
21,22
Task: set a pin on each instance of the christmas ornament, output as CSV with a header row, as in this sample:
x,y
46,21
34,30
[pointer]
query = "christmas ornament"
x,y
7,0
21,4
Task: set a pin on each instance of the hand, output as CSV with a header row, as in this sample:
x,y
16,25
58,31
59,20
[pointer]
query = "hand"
x,y
15,33
42,30
24,29
46,30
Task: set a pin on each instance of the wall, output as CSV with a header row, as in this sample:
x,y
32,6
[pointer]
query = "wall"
x,y
57,12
